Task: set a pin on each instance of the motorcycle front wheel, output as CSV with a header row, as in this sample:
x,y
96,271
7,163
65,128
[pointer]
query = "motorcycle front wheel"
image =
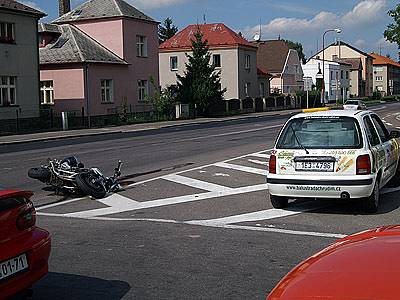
x,y
91,184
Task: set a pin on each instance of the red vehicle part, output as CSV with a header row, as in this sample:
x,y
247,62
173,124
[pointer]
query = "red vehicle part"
x,y
18,236
361,266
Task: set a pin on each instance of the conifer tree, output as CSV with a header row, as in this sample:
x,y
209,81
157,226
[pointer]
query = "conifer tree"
x,y
201,84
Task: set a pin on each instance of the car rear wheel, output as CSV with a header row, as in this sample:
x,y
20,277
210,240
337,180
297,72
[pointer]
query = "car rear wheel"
x,y
278,201
371,203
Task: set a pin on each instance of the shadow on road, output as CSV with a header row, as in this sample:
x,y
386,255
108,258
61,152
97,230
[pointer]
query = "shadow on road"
x,y
62,286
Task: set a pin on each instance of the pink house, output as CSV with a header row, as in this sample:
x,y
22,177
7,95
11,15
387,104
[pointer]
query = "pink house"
x,y
98,58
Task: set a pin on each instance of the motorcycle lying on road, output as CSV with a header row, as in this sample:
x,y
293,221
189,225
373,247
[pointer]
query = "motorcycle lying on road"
x,y
70,176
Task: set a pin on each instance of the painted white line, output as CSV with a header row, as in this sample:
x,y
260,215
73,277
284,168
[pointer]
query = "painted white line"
x,y
118,201
242,168
259,215
261,155
58,203
258,162
223,226
379,108
198,184
168,201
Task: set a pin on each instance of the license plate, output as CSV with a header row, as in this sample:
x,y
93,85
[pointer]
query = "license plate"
x,y
13,266
318,166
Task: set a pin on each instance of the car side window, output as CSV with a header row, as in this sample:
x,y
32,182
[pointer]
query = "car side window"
x,y
380,127
372,136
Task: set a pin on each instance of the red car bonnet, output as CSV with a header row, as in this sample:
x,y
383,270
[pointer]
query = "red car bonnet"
x,y
361,266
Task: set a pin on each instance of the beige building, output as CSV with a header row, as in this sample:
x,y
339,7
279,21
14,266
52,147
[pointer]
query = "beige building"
x,y
386,75
232,55
19,61
342,50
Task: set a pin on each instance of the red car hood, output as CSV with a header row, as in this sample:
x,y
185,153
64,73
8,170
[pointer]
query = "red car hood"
x,y
363,266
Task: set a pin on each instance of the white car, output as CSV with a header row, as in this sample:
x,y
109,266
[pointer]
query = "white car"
x,y
333,154
354,104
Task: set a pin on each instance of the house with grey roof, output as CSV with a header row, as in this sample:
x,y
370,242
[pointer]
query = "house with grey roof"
x,y
19,63
98,59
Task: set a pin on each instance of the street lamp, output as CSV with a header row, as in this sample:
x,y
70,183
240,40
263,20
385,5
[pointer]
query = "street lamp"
x,y
337,30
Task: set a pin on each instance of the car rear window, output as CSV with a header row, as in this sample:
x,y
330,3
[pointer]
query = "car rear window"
x,y
10,203
351,103
320,133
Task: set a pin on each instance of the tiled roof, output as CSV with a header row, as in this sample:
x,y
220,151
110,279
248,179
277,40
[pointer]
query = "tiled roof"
x,y
383,60
99,9
44,27
19,7
344,44
271,55
354,62
74,46
217,35
261,72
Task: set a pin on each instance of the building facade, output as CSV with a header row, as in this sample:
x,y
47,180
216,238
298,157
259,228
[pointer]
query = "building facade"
x,y
100,58
233,56
386,75
341,50
19,61
283,64
337,78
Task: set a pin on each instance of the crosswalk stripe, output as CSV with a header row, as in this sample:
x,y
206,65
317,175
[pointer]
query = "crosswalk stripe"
x,y
261,155
242,168
199,184
258,162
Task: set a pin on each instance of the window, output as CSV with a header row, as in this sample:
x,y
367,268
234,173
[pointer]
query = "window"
x,y
173,62
143,89
380,128
372,136
46,92
7,32
332,75
247,62
379,78
321,133
347,74
378,69
217,60
379,88
141,43
107,91
341,74
247,89
8,90
262,89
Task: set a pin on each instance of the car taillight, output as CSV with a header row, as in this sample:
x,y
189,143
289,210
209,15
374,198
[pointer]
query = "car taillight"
x,y
272,164
363,166
27,218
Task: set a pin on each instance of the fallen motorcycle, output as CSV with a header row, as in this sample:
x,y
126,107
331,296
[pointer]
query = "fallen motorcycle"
x,y
70,176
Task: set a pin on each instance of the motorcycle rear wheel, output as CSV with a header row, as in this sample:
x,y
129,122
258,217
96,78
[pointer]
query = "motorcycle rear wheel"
x,y
41,174
88,183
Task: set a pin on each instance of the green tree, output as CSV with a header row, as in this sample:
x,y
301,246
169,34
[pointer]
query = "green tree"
x,y
163,101
167,30
200,85
392,33
298,47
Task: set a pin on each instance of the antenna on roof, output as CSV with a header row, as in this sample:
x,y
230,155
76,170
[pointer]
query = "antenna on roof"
x,y
204,18
257,36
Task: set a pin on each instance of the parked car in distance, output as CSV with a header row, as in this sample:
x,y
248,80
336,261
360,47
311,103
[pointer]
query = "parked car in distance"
x,y
24,248
345,154
361,266
354,104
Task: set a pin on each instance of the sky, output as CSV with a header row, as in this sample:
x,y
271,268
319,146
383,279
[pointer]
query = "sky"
x,y
362,21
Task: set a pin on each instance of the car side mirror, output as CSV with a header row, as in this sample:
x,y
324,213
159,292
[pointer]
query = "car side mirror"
x,y
394,134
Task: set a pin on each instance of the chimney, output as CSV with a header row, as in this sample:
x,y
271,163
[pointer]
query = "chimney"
x,y
64,6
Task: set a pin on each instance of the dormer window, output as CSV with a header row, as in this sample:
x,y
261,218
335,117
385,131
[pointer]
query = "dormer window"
x,y
77,13
7,32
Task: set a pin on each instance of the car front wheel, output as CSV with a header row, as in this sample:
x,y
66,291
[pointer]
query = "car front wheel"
x,y
371,203
278,201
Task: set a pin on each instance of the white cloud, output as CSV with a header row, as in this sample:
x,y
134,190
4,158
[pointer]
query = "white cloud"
x,y
366,12
147,4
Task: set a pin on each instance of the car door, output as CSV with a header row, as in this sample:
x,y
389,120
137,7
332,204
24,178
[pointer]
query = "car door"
x,y
390,153
375,145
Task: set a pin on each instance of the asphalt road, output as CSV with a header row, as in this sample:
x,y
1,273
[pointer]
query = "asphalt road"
x,y
194,221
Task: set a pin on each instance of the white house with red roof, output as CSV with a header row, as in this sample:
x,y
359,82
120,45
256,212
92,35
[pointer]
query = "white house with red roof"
x,y
231,54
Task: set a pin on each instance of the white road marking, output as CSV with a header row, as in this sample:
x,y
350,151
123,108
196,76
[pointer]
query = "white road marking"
x,y
379,108
224,226
168,201
221,175
118,200
389,190
261,155
242,168
198,184
258,162
58,203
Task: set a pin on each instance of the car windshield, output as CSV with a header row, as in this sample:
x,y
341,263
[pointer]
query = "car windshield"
x,y
320,133
351,103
